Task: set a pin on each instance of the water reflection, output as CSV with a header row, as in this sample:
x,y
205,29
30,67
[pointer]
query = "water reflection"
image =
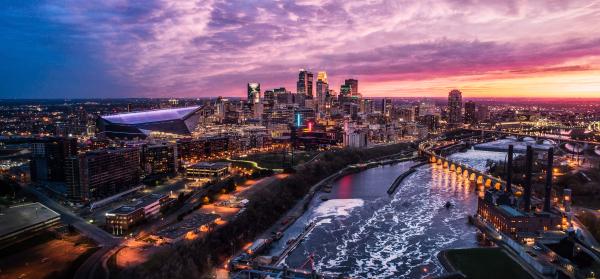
x,y
365,233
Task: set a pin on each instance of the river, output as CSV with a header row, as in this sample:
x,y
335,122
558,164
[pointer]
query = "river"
x,y
363,232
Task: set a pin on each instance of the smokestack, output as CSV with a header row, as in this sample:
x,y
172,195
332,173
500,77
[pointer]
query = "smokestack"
x,y
509,169
549,169
528,170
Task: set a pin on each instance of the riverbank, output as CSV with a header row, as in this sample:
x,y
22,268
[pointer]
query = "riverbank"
x,y
301,207
363,232
266,206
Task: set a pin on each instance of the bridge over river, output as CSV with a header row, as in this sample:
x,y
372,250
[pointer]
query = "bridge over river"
x,y
468,172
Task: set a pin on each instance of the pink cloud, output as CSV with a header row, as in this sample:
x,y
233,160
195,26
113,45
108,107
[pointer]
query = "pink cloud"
x,y
208,48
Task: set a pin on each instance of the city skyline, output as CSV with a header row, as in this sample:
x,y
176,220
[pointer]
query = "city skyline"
x,y
484,49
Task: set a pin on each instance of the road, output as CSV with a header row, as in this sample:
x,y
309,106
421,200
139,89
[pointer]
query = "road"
x,y
67,216
89,269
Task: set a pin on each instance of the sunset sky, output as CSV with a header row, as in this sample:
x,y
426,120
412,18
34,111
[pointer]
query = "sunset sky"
x,y
70,49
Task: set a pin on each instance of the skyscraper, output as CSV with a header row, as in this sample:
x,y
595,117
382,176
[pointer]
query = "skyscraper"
x,y
345,90
470,117
386,107
322,90
253,92
483,113
454,108
353,83
305,84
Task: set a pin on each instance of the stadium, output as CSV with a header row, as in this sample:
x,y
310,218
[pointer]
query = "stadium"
x,y
166,122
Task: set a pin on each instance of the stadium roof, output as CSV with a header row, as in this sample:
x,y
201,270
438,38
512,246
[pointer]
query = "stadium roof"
x,y
151,116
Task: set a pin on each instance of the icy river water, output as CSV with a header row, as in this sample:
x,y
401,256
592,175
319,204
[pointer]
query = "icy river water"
x,y
363,232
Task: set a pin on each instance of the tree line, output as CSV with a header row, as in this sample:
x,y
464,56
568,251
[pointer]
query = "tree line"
x,y
197,258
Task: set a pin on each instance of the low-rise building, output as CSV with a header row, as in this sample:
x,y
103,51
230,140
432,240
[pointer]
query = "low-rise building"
x,y
122,219
22,221
208,170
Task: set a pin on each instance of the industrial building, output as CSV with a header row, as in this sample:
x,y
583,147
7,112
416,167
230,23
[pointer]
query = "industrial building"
x,y
164,122
514,215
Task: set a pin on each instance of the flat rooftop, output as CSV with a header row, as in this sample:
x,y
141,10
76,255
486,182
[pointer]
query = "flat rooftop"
x,y
511,211
211,165
139,203
20,217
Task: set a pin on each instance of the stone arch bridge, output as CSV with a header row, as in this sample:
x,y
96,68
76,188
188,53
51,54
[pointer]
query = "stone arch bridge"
x,y
467,172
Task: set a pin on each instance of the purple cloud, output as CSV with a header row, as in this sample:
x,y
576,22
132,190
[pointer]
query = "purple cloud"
x,y
208,48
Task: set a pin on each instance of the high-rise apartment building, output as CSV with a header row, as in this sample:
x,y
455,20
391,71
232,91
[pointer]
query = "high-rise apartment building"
x,y
99,174
454,108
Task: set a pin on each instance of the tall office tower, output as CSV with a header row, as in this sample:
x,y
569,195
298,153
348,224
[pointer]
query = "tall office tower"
x,y
470,116
454,108
407,114
221,107
269,98
425,108
254,93
366,106
345,91
353,85
282,96
305,84
96,175
322,90
48,158
483,113
432,122
386,107
345,94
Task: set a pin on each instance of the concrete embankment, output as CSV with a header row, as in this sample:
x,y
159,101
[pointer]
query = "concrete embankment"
x,y
401,177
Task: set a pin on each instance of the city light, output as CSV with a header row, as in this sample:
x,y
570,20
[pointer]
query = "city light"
x,y
300,140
